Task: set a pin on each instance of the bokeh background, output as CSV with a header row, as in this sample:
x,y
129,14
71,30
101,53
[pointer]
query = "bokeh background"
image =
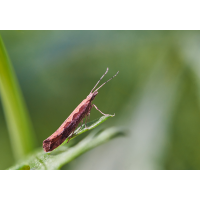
x,y
155,97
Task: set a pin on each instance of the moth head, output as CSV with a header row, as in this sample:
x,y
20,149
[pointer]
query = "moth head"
x,y
92,95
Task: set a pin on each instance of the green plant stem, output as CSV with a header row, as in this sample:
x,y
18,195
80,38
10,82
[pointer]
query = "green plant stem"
x,y
17,118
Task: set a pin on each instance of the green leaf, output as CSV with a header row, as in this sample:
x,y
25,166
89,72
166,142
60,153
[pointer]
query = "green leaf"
x,y
89,126
17,118
64,154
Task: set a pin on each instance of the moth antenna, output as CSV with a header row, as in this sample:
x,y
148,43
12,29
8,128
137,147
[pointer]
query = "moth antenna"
x,y
107,81
99,80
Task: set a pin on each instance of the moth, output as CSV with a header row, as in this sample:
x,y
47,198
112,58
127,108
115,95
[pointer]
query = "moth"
x,y
67,128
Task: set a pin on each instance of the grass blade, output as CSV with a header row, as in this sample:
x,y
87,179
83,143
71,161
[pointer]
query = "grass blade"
x,y
17,118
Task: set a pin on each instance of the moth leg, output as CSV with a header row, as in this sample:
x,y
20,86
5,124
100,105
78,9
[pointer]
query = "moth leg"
x,y
89,117
99,110
70,137
81,123
85,122
78,128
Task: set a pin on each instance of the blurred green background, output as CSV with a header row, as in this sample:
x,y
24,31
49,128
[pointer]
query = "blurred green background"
x,y
155,97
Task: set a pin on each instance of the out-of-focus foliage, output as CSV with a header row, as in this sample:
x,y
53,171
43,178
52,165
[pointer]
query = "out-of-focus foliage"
x,y
155,95
17,118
